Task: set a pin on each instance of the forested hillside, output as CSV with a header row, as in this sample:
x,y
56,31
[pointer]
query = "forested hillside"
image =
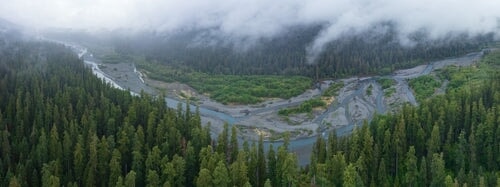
x,y
62,126
361,54
449,140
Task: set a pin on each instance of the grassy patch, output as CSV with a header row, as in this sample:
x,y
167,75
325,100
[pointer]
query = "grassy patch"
x,y
470,77
389,92
114,58
333,90
305,107
424,86
369,90
492,57
238,89
386,82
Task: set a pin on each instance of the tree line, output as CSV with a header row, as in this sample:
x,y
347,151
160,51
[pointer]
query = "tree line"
x,y
62,126
362,54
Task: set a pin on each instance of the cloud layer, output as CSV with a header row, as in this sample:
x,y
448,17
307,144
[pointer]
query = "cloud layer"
x,y
255,19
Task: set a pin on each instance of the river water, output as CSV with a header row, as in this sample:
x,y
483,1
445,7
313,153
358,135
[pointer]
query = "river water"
x,y
302,146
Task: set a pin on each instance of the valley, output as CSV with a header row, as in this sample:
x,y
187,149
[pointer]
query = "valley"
x,y
249,93
358,100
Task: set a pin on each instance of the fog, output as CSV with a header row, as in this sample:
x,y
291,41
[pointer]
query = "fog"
x,y
251,20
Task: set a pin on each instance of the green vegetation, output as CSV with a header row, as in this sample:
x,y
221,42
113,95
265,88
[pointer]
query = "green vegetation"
x,y
284,55
471,76
61,126
493,57
388,92
460,76
114,58
424,86
448,139
250,89
333,90
369,90
386,82
386,85
305,107
239,89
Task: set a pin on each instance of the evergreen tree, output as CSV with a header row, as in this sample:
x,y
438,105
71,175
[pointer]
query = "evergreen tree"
x,y
351,177
437,170
130,179
337,168
14,182
114,167
238,170
271,166
267,183
411,173
222,142
234,145
261,163
204,178
221,175
423,172
152,178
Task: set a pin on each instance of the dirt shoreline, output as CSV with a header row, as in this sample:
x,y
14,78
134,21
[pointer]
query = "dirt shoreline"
x,y
357,101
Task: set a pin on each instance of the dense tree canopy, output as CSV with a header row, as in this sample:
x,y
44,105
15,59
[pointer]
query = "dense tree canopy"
x,y
361,54
62,126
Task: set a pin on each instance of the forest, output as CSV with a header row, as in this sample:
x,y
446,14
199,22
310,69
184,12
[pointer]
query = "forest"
x,y
368,53
62,126
252,71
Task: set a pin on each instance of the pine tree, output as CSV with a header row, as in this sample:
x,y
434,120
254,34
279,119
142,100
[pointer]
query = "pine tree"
x,y
351,177
448,181
103,158
220,175
434,141
222,142
239,170
119,182
382,179
261,163
152,179
14,182
192,163
400,144
271,166
423,173
130,179
411,172
78,162
289,170
154,159
267,183
338,164
54,148
91,168
234,145
115,170
204,178
437,170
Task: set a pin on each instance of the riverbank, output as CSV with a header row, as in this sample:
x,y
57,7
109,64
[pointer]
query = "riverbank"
x,y
358,100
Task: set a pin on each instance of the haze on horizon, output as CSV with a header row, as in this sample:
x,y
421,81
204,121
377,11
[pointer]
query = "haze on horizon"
x,y
257,19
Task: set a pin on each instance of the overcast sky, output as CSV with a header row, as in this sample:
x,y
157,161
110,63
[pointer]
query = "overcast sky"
x,y
260,18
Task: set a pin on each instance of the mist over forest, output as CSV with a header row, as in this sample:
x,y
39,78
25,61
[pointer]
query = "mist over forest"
x,y
249,93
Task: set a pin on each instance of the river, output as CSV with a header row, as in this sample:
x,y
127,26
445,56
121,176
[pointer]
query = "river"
x,y
301,146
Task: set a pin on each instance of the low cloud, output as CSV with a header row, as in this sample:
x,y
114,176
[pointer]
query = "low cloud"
x,y
251,20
